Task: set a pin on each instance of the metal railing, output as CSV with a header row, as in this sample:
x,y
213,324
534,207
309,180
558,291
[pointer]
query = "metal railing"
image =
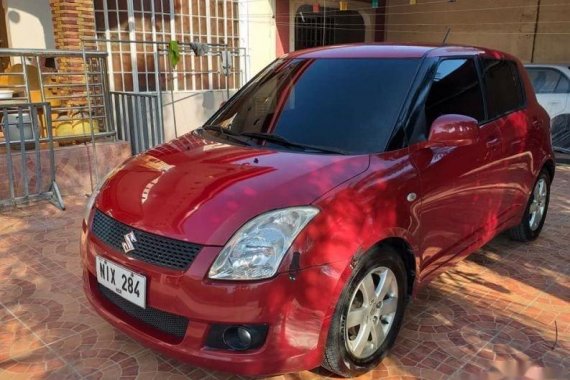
x,y
74,83
22,126
229,64
138,119
76,86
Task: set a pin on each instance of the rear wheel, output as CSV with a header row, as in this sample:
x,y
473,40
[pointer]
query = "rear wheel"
x,y
535,212
368,315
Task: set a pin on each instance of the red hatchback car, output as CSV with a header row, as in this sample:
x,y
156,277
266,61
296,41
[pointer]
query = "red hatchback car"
x,y
290,230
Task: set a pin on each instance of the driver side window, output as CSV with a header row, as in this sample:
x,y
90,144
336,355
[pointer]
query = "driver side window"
x,y
455,90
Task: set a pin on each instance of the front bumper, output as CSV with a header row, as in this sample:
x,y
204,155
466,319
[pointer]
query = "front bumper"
x,y
297,312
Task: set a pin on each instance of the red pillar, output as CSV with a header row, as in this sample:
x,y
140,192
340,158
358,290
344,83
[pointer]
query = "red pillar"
x,y
380,21
282,21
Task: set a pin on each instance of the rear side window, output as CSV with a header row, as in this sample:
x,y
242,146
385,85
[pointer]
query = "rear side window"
x,y
503,87
455,90
548,81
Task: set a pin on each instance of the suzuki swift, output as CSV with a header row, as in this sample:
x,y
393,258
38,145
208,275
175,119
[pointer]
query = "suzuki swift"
x,y
291,229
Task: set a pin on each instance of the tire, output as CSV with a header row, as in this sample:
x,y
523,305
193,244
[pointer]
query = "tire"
x,y
341,350
560,131
531,224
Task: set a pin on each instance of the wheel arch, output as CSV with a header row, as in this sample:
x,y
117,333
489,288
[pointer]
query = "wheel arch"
x,y
550,168
405,251
400,245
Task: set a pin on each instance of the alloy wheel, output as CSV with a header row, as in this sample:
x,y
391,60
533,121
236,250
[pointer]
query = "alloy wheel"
x,y
538,204
371,312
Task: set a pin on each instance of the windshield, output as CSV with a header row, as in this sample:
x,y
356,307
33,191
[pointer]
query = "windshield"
x,y
348,105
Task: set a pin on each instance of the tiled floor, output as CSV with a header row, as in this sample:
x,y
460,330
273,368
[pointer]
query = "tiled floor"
x,y
504,311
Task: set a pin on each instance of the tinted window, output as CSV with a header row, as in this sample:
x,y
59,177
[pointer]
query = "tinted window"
x,y
548,81
348,104
563,86
455,90
503,87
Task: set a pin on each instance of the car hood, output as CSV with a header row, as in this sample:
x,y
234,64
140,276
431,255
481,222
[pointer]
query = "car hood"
x,y
202,191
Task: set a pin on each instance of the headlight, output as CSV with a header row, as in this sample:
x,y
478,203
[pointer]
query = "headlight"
x,y
256,249
96,190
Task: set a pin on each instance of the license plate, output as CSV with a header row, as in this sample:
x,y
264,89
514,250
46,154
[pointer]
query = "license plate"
x,y
126,283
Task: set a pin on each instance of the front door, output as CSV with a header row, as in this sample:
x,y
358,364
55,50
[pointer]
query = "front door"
x,y
452,197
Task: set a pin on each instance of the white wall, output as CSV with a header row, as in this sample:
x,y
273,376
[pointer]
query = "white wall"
x,y
192,109
29,24
257,33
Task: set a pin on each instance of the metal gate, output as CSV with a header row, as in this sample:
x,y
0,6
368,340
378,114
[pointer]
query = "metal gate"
x,y
22,124
138,119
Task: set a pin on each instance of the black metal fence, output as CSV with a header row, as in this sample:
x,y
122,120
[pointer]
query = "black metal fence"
x,y
29,150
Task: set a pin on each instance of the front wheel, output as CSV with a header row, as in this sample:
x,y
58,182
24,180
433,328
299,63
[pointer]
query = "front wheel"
x,y
368,315
535,212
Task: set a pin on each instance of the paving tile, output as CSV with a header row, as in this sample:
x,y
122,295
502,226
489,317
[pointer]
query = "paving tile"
x,y
52,321
40,363
145,365
189,370
16,340
5,315
96,349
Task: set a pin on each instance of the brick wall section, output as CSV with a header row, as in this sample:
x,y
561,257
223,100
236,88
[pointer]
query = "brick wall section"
x,y
72,21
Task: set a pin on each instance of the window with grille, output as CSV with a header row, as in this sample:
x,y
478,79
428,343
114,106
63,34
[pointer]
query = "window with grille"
x,y
133,26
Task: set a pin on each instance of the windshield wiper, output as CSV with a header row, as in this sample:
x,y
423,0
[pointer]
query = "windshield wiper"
x,y
226,132
283,141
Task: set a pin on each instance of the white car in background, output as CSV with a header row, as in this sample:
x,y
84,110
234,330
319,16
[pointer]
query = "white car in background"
x,y
552,86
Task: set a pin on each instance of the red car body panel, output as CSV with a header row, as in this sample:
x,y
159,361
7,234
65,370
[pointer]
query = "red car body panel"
x,y
202,191
296,310
363,51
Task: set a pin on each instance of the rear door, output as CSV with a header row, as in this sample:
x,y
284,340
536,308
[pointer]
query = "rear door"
x,y
506,108
452,199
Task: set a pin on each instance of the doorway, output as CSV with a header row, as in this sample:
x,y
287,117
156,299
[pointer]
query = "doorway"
x,y
4,61
329,26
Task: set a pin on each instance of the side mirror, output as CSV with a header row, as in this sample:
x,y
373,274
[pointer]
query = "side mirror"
x,y
454,130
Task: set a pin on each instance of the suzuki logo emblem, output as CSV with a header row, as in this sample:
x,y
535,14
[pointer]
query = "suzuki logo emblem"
x,y
128,243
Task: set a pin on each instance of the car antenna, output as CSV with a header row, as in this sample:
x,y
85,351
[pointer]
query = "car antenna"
x,y
445,37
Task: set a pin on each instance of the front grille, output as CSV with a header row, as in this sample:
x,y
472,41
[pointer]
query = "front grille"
x,y
171,324
154,249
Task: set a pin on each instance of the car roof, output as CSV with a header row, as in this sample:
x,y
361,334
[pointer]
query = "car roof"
x,y
564,69
548,65
392,50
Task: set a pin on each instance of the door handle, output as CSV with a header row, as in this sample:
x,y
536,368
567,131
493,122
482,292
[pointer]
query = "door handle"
x,y
493,142
536,123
